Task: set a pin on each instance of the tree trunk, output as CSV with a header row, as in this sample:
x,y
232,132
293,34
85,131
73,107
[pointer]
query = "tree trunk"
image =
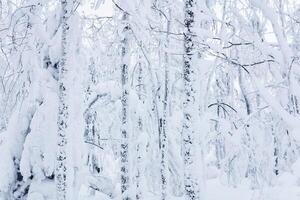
x,y
140,125
124,99
164,138
191,182
63,109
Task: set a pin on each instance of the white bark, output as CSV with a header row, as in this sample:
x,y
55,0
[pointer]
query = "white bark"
x,y
191,182
63,108
124,99
164,122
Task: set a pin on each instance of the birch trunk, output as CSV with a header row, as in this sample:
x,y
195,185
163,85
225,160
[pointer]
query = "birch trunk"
x,y
191,182
63,108
124,99
164,132
140,125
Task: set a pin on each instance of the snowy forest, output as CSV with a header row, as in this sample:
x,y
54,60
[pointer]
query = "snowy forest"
x,y
149,99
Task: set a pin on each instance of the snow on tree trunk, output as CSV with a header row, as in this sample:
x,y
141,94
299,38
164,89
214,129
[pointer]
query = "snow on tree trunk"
x,y
138,148
191,182
164,132
63,108
124,99
140,125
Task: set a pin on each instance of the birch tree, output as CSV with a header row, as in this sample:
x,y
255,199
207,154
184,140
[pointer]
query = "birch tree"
x,y
63,108
165,17
125,177
191,182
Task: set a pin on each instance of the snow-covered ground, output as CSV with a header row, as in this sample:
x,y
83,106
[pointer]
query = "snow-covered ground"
x,y
217,191
286,187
